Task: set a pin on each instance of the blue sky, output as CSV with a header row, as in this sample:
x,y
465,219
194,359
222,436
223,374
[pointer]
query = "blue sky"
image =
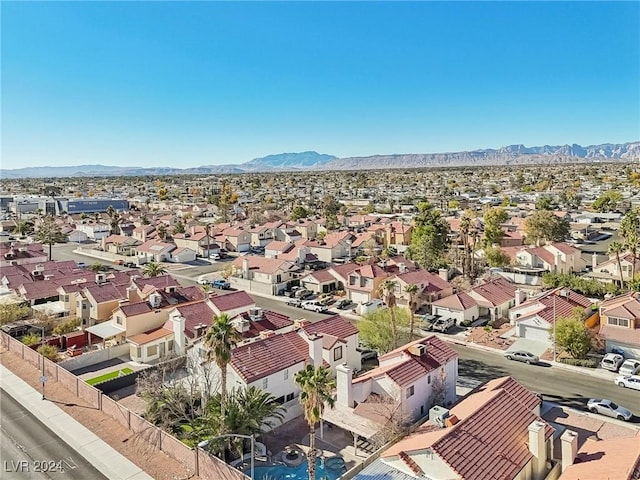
x,y
200,83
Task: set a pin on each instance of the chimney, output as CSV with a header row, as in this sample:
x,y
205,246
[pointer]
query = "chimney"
x,y
315,350
569,445
132,296
344,385
178,333
538,448
443,273
402,268
520,296
245,268
594,260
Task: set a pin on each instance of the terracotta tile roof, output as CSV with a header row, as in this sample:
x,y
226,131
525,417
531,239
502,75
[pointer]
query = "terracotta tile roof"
x,y
270,321
264,265
322,276
407,372
431,281
161,281
149,336
630,336
137,308
105,292
197,313
154,247
542,253
496,292
231,301
566,248
343,271
563,307
518,391
457,302
491,439
265,357
337,326
436,349
624,306
612,458
278,246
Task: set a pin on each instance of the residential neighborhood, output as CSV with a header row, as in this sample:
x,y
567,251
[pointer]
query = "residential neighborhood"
x,y
163,289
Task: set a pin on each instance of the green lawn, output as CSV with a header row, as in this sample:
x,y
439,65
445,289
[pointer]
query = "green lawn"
x,y
109,376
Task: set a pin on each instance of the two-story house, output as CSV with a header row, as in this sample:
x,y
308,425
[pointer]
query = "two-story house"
x,y
431,287
496,432
494,298
620,324
262,275
154,251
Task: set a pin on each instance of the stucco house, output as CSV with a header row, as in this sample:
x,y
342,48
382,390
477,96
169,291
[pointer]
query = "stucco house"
x,y
620,324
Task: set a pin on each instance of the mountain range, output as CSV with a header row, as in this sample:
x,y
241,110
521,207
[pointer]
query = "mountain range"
x,y
313,161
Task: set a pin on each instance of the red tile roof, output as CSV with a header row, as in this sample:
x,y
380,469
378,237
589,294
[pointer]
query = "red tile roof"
x,y
197,313
266,357
150,336
337,326
430,281
231,301
457,302
496,292
270,321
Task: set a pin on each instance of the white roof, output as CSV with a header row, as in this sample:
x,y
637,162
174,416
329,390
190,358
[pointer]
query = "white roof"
x,y
51,308
105,330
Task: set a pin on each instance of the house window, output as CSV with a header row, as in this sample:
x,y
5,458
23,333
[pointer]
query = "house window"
x,y
621,322
290,397
411,391
119,320
152,350
139,352
337,353
265,383
286,374
170,347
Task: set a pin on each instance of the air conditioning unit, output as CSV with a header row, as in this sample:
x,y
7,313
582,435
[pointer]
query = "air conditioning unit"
x,y
255,314
101,278
154,300
438,415
241,324
418,350
170,289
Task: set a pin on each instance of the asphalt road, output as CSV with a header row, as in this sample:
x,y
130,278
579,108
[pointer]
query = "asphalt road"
x,y
29,450
565,387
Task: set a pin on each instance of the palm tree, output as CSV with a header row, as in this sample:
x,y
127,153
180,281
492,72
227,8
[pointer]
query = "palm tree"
x,y
49,232
316,390
412,290
387,290
616,248
96,267
153,269
219,341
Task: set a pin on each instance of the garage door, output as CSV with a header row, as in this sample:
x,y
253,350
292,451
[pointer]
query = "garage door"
x,y
358,297
534,333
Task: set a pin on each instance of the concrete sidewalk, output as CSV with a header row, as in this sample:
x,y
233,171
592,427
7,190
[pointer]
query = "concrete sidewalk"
x,y
97,452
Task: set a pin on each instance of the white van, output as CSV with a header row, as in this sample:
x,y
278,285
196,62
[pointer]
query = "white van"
x,y
368,307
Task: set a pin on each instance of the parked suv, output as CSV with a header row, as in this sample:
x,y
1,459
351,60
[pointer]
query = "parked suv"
x,y
443,324
612,361
223,284
314,306
629,367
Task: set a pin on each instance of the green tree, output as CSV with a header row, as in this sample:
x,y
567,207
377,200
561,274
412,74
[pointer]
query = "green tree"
x,y
387,291
67,326
178,227
299,212
11,312
608,201
23,227
153,269
114,219
545,226
316,391
162,231
50,352
629,231
493,220
31,339
616,248
412,290
220,340
430,239
544,202
496,257
49,232
572,335
375,328
96,267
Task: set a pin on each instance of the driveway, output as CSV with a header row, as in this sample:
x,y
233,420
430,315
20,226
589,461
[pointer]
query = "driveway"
x,y
533,346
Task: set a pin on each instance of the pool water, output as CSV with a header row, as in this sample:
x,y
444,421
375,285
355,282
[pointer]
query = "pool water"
x,y
282,472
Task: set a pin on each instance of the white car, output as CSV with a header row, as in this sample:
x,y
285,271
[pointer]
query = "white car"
x,y
608,408
629,367
612,361
314,306
628,381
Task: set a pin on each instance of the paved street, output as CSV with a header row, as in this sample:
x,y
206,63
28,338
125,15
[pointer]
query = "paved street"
x,y
29,450
565,387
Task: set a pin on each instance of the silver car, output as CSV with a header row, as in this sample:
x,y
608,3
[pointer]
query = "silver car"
x,y
629,367
522,356
628,381
608,408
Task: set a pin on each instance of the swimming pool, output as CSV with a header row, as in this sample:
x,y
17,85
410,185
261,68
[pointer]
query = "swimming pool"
x,y
282,472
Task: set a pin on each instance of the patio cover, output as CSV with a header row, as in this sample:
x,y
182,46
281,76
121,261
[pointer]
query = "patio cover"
x,y
347,419
105,330
51,308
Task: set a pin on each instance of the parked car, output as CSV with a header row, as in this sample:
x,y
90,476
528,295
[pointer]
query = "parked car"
x,y
443,324
427,321
119,261
214,256
612,361
608,408
204,281
303,294
521,356
314,306
629,367
130,264
343,303
220,283
628,381
295,302
81,265
367,353
369,306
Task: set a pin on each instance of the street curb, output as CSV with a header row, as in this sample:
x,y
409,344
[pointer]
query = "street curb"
x,y
107,460
573,368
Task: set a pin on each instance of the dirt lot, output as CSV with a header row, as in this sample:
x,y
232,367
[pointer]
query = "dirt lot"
x,y
155,463
491,338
